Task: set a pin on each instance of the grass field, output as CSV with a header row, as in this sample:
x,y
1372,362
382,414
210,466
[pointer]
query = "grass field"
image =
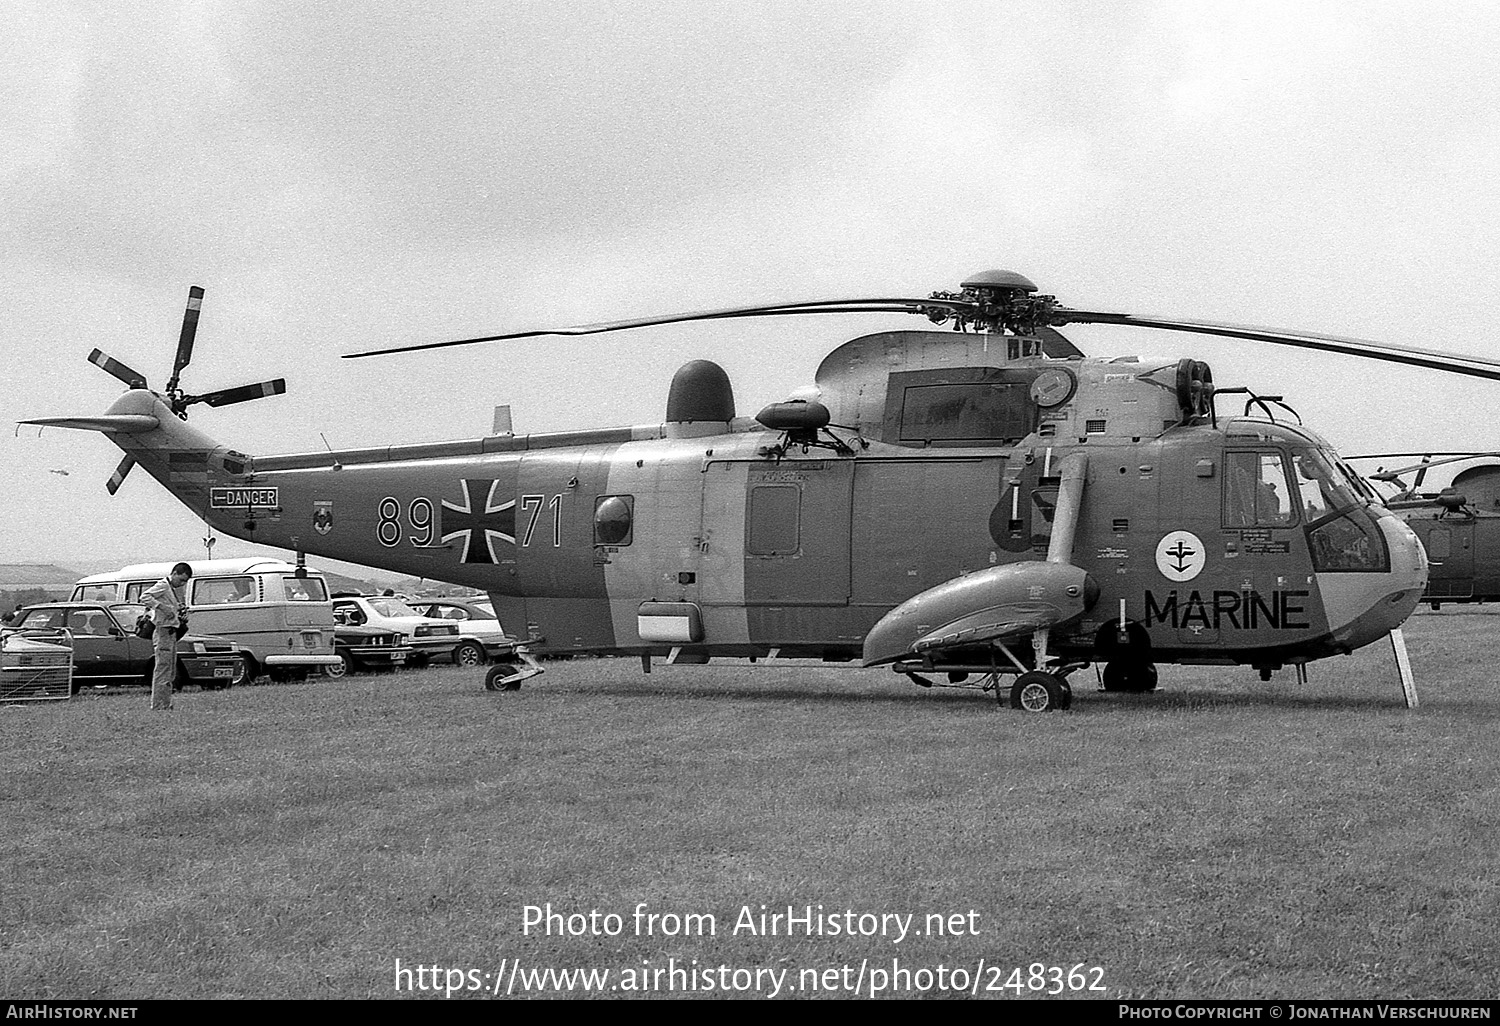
x,y
1223,838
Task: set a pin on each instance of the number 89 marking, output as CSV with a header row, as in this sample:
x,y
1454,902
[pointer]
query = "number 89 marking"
x,y
418,513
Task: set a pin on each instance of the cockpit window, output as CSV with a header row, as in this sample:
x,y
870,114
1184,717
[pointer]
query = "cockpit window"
x,y
1323,490
1256,490
1359,484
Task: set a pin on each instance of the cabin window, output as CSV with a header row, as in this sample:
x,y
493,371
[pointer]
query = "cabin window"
x,y
1256,493
220,591
979,411
614,519
1439,545
775,520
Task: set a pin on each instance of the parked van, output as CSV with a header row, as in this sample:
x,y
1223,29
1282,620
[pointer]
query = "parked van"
x,y
278,617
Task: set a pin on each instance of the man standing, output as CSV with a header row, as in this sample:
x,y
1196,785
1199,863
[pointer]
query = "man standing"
x,y
167,601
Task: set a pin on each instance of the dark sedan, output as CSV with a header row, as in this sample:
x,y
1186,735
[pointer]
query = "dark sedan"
x,y
106,650
367,648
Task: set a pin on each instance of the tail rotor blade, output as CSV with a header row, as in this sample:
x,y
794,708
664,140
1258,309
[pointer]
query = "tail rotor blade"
x,y
244,393
133,378
189,332
118,477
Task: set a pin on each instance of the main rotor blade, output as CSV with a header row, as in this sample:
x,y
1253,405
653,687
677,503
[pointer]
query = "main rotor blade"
x,y
889,305
189,332
133,378
118,477
1434,359
242,394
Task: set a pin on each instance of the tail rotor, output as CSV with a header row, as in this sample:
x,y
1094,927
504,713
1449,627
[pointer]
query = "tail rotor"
x,y
175,397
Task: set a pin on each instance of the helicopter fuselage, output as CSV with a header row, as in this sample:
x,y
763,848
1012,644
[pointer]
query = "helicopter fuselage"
x,y
941,461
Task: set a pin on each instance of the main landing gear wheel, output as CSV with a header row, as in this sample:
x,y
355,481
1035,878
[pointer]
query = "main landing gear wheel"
x,y
1136,678
495,679
1038,691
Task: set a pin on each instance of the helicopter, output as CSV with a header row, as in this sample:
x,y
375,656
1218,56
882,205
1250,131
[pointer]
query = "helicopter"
x,y
1459,525
960,505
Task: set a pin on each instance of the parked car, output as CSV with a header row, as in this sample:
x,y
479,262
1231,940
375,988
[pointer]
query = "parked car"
x,y
107,651
430,639
476,621
367,648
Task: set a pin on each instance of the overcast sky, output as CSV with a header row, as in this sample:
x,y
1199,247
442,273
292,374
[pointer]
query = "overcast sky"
x,y
345,176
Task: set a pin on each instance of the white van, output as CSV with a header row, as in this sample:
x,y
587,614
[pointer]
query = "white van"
x,y
277,616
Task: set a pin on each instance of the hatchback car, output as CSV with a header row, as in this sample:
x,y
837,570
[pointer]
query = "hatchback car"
x,y
106,650
429,638
476,622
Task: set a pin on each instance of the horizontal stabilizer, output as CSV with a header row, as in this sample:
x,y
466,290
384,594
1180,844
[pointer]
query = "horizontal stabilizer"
x,y
123,423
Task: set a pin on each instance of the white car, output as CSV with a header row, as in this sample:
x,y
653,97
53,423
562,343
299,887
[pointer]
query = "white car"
x,y
430,638
475,619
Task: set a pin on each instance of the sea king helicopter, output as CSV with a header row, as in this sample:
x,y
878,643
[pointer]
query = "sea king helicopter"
x,y
1459,525
956,505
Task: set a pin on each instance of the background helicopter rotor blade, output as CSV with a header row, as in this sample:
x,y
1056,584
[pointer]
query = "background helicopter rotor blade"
x,y
242,394
1434,359
118,477
1424,466
189,332
888,305
132,378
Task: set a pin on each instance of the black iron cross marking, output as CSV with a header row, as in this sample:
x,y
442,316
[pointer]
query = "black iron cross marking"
x,y
466,521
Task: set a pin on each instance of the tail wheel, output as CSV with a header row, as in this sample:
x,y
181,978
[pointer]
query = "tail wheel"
x,y
468,653
494,680
1037,691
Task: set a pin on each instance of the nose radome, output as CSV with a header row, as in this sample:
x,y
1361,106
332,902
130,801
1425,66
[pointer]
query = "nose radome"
x,y
1363,608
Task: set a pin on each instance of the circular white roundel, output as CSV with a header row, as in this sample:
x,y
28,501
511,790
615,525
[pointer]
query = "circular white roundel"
x,y
1180,556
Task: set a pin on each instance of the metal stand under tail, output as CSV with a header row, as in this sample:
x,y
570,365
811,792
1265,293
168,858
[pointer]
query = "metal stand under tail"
x,y
1403,667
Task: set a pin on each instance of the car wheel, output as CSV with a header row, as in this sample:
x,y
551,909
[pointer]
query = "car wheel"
x,y
344,667
468,653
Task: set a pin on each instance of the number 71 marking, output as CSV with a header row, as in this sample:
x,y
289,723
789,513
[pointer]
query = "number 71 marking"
x,y
533,504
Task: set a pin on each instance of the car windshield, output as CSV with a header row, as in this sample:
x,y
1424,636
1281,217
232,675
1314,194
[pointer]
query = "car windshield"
x,y
34,619
386,606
